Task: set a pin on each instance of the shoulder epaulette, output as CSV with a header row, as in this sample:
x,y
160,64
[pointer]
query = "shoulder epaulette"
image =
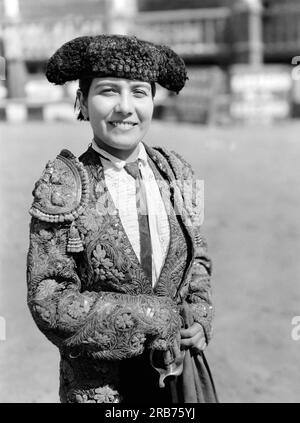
x,y
62,192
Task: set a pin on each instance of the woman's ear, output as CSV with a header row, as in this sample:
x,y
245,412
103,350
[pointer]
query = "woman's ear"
x,y
82,104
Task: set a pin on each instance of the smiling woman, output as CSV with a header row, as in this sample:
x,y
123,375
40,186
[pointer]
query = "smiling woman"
x,y
118,272
120,113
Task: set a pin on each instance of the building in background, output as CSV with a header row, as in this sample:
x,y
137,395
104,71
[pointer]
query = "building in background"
x,y
232,49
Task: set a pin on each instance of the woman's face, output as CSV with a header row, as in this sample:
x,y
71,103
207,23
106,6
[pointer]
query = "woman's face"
x,y
120,111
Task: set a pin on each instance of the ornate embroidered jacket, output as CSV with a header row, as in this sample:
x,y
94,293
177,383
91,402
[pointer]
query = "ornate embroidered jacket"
x,y
86,289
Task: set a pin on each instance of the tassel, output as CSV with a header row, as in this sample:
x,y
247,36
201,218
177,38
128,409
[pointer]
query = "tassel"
x,y
74,242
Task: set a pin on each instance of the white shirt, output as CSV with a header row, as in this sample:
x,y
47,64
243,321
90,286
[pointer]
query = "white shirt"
x,y
122,188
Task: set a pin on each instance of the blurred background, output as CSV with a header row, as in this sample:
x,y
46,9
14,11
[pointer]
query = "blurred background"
x,y
237,123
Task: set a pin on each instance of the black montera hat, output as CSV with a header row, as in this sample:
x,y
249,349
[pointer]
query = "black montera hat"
x,y
119,56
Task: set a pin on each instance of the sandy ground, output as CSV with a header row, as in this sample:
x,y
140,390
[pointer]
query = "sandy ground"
x,y
252,205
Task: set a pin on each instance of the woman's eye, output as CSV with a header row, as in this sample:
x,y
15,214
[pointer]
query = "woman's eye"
x,y
140,93
108,91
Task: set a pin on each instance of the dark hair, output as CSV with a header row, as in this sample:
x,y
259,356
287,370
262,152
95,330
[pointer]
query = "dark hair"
x,y
84,86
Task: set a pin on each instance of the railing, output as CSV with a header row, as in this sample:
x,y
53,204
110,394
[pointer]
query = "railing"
x,y
188,32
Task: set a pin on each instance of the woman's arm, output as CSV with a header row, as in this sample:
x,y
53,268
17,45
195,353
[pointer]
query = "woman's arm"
x,y
104,325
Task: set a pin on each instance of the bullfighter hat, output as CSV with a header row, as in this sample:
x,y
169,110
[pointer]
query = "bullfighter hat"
x,y
118,56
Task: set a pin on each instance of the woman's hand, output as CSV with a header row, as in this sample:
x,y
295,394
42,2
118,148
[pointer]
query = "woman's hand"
x,y
168,363
193,337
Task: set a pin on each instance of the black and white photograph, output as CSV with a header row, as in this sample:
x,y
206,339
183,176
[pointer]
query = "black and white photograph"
x,y
150,201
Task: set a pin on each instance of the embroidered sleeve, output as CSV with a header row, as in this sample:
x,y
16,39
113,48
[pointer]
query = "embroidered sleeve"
x,y
198,291
104,325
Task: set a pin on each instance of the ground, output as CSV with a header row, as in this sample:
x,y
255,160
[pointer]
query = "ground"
x,y
252,205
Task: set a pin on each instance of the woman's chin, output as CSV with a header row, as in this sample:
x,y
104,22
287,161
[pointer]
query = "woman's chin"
x,y
122,143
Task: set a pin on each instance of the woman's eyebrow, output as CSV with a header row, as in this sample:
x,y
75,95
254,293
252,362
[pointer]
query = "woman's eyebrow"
x,y
141,84
103,83
116,85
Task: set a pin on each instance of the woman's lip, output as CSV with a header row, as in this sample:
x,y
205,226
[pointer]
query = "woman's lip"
x,y
123,126
122,122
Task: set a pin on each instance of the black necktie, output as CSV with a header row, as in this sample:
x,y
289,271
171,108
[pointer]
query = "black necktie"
x,y
141,205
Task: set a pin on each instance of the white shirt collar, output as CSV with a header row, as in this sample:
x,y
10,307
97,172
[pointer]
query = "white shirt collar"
x,y
115,161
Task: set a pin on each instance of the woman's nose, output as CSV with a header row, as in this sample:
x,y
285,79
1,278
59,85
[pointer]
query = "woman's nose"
x,y
125,104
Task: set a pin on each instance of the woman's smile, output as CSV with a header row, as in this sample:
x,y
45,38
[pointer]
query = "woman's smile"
x,y
122,125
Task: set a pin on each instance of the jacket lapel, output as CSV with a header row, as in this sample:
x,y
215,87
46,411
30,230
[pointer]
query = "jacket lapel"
x,y
175,193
